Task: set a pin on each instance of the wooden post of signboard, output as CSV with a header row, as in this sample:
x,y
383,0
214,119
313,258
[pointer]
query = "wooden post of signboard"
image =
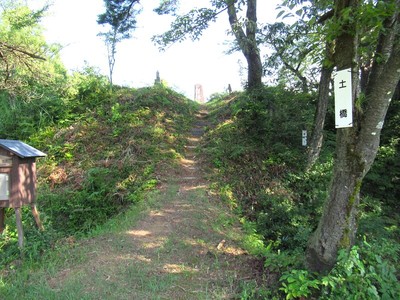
x,y
18,181
37,217
2,217
20,230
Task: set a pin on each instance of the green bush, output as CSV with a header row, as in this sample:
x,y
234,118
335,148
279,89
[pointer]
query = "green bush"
x,y
88,91
275,220
298,283
20,119
257,150
383,180
102,155
273,115
359,274
35,241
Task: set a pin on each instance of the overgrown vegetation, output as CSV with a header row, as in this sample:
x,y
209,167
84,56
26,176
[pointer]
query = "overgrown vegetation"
x,y
106,146
103,153
255,152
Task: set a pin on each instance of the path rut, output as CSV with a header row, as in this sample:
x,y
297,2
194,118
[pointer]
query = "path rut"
x,y
187,247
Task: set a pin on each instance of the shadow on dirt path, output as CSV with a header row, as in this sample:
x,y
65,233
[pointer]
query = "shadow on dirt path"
x,y
185,247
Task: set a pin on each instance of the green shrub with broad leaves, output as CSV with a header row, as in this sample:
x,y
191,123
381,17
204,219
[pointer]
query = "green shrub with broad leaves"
x,y
359,274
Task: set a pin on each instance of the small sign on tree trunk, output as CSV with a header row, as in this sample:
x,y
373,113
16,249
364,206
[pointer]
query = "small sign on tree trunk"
x,y
343,99
304,138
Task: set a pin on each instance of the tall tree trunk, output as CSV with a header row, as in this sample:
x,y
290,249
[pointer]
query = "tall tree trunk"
x,y
322,107
396,95
357,146
247,41
111,43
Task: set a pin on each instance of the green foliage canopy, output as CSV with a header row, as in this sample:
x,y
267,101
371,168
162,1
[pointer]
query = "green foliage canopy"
x,y
32,77
120,15
25,55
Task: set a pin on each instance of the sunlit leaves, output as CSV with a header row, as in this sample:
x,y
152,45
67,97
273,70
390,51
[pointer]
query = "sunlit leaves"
x,y
296,52
120,15
167,7
26,58
191,24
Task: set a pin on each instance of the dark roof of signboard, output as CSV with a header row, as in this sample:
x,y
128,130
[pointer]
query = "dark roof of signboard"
x,y
21,149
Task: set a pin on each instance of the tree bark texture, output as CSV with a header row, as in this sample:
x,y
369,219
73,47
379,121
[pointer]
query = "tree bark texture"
x,y
247,41
2,219
357,146
20,230
322,107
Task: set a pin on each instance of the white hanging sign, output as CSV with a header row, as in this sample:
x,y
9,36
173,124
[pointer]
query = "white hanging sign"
x,y
304,137
343,99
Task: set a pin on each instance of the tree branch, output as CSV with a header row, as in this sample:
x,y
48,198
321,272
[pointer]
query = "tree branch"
x,y
326,16
17,49
180,29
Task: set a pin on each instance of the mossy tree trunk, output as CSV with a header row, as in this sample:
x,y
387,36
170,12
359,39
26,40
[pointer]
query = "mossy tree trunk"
x,y
356,147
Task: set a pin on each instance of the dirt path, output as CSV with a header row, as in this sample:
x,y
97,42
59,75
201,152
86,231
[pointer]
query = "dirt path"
x,y
186,247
